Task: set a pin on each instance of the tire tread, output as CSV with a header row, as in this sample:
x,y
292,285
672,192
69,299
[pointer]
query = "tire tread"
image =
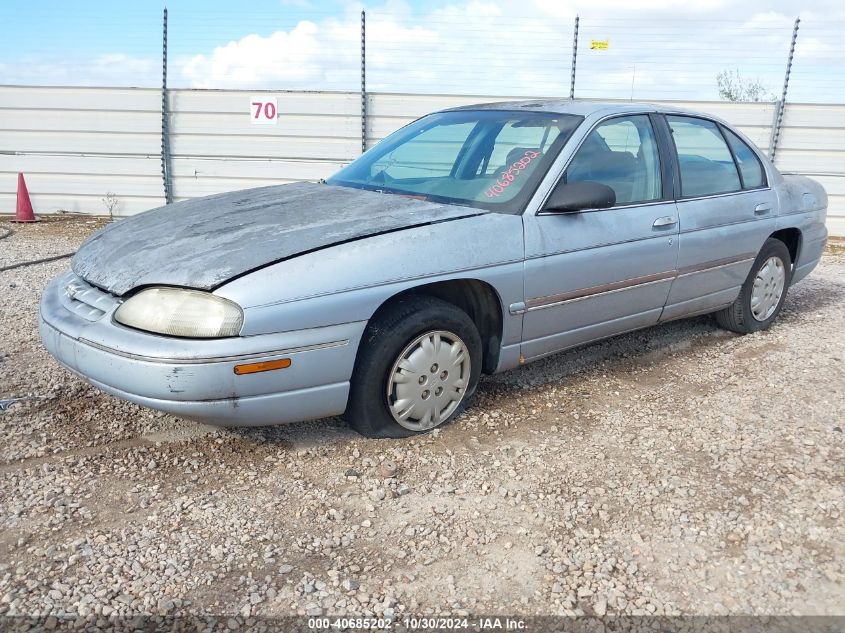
x,y
737,317
378,341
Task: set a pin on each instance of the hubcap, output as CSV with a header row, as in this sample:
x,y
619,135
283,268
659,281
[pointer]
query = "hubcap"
x,y
428,380
768,288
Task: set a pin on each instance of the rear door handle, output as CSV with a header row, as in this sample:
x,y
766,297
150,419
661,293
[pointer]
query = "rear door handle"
x,y
665,222
760,209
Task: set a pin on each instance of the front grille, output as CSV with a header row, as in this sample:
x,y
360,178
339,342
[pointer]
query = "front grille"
x,y
85,300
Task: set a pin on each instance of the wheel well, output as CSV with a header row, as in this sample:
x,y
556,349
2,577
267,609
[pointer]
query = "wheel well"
x,y
479,300
792,238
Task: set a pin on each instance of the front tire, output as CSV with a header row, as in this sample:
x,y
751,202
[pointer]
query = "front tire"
x,y
417,368
763,292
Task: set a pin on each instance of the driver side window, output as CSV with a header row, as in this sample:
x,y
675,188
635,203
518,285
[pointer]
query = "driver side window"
x,y
622,154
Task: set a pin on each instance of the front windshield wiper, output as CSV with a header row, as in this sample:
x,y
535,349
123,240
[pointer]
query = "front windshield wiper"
x,y
379,189
427,197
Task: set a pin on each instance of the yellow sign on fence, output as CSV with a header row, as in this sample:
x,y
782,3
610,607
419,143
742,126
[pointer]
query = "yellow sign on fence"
x,y
599,45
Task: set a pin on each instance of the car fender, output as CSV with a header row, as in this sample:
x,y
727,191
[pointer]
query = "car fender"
x,y
348,282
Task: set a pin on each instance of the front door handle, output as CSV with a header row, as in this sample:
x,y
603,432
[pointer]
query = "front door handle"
x,y
665,222
760,209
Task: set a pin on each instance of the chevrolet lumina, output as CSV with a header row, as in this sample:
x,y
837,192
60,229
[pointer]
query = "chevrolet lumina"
x,y
473,240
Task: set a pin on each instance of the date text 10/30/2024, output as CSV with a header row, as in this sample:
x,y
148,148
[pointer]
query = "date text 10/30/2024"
x,y
423,623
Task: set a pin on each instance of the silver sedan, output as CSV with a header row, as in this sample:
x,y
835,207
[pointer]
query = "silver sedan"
x,y
473,240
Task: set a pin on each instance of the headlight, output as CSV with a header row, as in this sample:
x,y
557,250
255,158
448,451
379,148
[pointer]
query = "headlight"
x,y
180,312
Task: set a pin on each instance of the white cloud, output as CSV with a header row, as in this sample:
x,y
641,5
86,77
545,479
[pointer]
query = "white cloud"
x,y
671,49
105,70
283,57
480,47
608,7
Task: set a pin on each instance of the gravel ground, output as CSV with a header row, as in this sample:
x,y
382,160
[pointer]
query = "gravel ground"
x,y
51,236
676,470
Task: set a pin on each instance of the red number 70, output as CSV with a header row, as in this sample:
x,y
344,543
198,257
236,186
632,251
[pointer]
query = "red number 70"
x,y
269,109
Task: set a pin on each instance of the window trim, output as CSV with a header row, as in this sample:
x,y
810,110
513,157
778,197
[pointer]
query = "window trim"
x,y
724,128
733,156
671,175
665,162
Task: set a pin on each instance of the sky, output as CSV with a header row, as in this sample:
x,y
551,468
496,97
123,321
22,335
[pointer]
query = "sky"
x,y
657,49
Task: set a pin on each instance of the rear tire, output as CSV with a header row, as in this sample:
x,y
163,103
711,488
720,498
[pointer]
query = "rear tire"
x,y
763,292
417,368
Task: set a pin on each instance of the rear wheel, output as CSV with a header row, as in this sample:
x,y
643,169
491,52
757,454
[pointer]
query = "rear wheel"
x,y
763,292
417,368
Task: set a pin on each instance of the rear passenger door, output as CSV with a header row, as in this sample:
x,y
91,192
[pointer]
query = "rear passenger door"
x,y
726,211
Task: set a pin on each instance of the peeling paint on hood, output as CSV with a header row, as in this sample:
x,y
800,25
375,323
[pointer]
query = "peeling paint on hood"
x,y
204,242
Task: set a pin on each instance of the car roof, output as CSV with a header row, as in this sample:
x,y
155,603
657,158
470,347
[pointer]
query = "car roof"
x,y
580,107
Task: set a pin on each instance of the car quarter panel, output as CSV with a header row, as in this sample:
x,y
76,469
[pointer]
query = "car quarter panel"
x,y
349,282
803,205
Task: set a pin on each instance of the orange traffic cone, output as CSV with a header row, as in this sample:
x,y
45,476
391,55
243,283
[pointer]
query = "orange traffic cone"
x,y
23,212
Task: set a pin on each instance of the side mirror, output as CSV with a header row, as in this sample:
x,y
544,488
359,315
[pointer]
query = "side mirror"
x,y
570,197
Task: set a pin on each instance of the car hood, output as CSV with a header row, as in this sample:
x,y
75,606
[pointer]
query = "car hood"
x,y
205,242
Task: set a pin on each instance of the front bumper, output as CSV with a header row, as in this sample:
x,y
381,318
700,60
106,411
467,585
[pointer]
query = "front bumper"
x,y
195,378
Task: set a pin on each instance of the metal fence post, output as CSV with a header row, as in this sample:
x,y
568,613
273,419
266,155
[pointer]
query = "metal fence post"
x,y
775,115
574,58
782,105
363,81
165,131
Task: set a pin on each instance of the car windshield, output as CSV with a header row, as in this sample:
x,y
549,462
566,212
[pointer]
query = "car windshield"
x,y
492,159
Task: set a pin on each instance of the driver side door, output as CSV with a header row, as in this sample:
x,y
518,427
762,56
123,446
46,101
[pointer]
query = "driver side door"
x,y
599,272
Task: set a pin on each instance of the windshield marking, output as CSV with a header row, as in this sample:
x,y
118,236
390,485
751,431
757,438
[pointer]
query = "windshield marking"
x,y
492,160
509,175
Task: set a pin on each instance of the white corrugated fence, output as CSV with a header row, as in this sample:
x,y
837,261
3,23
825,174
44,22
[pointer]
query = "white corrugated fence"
x,y
76,145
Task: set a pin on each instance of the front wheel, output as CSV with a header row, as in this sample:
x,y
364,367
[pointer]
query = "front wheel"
x,y
763,292
418,366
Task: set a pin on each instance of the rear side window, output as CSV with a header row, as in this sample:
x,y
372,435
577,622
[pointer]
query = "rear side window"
x,y
706,164
750,167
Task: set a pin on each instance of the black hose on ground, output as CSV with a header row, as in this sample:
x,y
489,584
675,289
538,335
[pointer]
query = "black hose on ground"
x,y
43,260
